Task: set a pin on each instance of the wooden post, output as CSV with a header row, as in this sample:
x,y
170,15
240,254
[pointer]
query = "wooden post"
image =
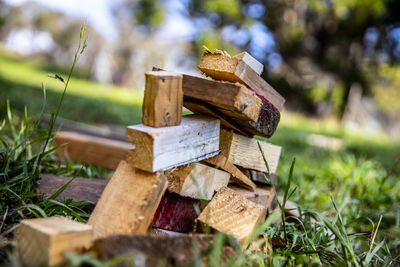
x,y
232,213
163,99
196,138
128,203
244,151
44,241
196,180
235,69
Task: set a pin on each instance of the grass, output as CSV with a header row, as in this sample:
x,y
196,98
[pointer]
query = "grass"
x,y
348,199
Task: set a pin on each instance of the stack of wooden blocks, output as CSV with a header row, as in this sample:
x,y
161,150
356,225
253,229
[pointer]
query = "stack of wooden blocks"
x,y
205,170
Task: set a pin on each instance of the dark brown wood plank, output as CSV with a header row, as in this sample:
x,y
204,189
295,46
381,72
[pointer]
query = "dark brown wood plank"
x,y
150,250
79,189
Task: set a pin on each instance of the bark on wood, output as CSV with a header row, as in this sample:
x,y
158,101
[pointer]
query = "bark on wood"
x,y
196,138
244,152
232,213
148,250
163,98
43,242
176,213
222,162
128,203
218,68
196,180
90,149
79,189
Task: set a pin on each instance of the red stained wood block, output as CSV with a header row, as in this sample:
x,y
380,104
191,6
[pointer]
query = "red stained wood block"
x,y
176,213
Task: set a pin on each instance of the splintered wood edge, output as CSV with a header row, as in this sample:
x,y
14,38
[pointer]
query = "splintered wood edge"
x,y
163,74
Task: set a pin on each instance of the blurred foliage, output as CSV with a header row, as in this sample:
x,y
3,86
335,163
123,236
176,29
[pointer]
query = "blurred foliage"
x,y
325,47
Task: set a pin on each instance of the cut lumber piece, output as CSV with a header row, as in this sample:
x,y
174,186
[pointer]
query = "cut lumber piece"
x,y
44,241
244,151
163,99
203,108
176,213
262,195
232,213
196,180
218,68
222,162
196,138
90,149
79,189
228,63
232,99
149,250
265,125
128,203
235,105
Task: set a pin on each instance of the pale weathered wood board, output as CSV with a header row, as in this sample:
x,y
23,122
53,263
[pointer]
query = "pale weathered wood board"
x,y
44,241
232,213
244,151
196,180
262,195
222,162
90,149
219,68
79,189
196,138
163,99
128,202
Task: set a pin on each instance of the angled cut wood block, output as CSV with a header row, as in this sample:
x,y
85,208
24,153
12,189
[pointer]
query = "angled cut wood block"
x,y
44,241
90,149
196,180
163,99
217,67
244,151
232,213
176,213
196,138
262,195
222,162
128,202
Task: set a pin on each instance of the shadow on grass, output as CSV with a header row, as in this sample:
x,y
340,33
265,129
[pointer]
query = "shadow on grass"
x,y
75,107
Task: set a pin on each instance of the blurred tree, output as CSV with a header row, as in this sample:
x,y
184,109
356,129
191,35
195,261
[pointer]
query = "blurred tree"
x,y
315,50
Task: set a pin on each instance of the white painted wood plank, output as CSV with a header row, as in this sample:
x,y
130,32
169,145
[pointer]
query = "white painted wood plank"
x,y
196,138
